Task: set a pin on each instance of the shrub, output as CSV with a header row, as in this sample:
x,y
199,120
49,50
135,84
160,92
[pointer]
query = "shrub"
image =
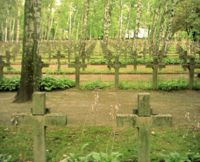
x,y
125,85
49,84
95,85
95,156
176,157
179,84
5,158
46,84
9,84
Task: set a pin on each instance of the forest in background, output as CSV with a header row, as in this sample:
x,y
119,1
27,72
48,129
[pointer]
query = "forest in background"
x,y
63,19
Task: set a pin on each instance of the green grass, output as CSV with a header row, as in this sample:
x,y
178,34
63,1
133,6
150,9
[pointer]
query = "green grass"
x,y
50,84
80,142
92,85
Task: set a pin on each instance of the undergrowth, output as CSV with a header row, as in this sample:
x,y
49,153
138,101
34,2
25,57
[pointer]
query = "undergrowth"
x,y
50,84
100,144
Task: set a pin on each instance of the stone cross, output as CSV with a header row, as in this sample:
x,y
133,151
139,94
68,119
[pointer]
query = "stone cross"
x,y
107,54
117,65
191,66
39,120
8,57
144,120
58,56
182,54
89,50
155,66
2,64
134,56
82,52
40,65
15,51
77,65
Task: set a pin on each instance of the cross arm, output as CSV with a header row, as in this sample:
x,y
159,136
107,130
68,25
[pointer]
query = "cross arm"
x,y
197,66
45,65
149,65
56,119
161,65
21,118
126,120
185,65
162,120
71,65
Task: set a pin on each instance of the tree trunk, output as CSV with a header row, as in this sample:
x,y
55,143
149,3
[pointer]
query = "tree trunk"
x,y
107,16
28,83
17,28
138,18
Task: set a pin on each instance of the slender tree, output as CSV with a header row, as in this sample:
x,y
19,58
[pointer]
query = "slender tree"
x,y
29,80
107,19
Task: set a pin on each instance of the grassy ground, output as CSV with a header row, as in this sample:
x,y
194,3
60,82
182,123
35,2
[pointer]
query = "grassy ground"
x,y
92,128
81,141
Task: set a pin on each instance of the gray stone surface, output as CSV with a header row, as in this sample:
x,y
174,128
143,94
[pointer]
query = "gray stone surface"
x,y
144,120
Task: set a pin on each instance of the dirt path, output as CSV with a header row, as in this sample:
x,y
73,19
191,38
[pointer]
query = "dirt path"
x,y
81,109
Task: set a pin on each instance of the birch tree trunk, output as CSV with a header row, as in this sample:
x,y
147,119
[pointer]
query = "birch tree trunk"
x,y
29,80
107,17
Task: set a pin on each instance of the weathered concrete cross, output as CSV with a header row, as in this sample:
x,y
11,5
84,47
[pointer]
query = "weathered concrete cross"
x,y
2,64
155,66
8,57
107,53
40,65
134,56
77,65
39,120
144,120
117,65
191,66
58,56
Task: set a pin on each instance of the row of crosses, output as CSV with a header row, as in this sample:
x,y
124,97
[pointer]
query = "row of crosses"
x,y
143,119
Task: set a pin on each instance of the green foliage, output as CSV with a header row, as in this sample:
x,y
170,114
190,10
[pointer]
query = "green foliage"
x,y
127,85
170,60
46,84
99,142
95,156
177,157
6,158
95,85
9,84
49,84
196,85
179,84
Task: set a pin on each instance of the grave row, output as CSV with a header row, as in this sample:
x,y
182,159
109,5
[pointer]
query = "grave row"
x,y
142,118
191,65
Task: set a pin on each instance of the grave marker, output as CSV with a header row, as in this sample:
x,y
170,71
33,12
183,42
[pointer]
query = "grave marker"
x,y
40,65
117,65
8,57
155,66
39,120
182,54
107,54
134,56
2,64
58,56
144,120
77,65
191,66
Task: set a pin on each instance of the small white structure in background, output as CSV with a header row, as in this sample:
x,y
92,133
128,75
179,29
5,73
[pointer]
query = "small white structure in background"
x,y
143,33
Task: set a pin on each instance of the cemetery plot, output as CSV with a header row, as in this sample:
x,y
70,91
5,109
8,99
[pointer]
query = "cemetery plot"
x,y
2,64
191,66
39,120
155,67
143,119
77,65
